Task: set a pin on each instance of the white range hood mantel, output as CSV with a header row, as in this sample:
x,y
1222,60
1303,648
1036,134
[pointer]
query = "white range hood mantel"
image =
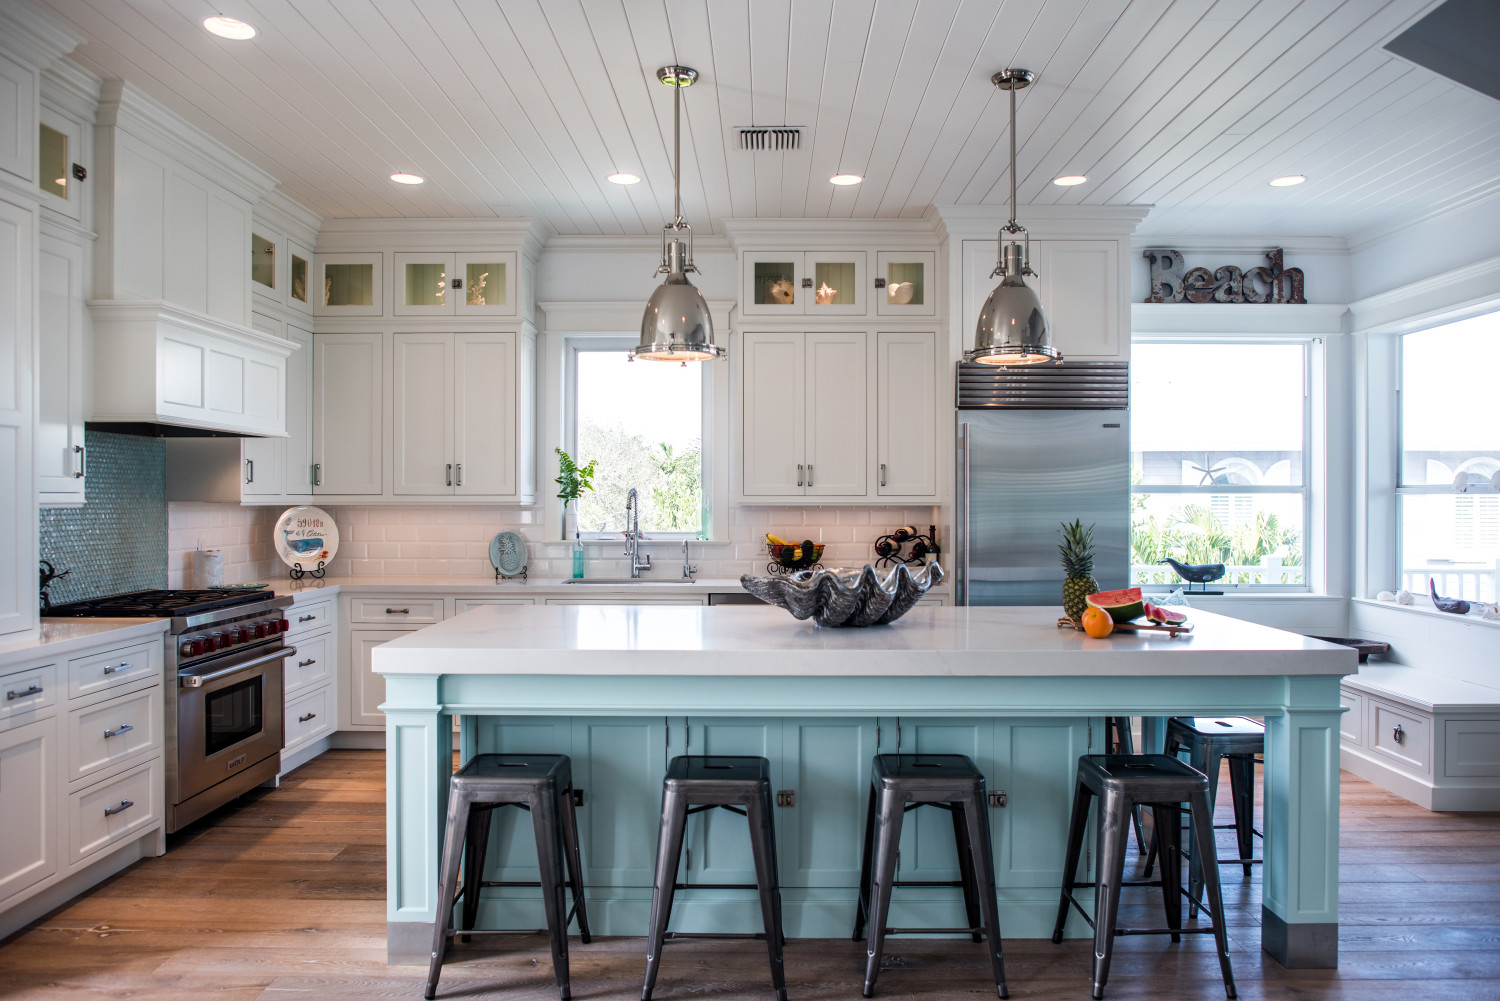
x,y
158,363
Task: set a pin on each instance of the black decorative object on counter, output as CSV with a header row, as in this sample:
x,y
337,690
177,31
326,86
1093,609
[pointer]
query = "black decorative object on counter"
x,y
834,598
1457,606
297,572
49,574
1201,574
792,557
891,549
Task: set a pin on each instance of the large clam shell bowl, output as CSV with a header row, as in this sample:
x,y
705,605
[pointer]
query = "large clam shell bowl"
x,y
846,598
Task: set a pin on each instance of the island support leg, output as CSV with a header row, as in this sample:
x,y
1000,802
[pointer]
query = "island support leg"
x,y
418,766
1300,893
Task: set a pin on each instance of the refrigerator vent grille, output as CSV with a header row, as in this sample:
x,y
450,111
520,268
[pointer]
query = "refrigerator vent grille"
x,y
1065,386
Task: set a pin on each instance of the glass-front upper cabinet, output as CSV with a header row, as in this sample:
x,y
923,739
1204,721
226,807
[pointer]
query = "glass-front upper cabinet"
x,y
263,263
803,283
60,155
299,259
348,285
906,283
476,284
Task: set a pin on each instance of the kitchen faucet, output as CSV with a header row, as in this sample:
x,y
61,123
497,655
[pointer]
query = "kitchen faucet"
x,y
633,535
688,569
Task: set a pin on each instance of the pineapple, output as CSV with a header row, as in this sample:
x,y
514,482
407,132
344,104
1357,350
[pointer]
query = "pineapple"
x,y
1077,551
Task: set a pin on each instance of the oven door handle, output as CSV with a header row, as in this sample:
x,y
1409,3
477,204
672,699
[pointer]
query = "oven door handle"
x,y
199,680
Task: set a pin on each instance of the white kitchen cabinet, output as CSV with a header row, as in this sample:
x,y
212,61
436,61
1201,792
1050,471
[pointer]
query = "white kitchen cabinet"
x,y
311,691
299,277
63,140
804,421
366,689
263,473
468,284
1079,283
462,408
297,446
906,283
61,369
18,338
18,104
348,285
28,802
348,410
906,414
803,283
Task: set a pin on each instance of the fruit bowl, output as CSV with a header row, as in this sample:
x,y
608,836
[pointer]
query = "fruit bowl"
x,y
789,557
846,598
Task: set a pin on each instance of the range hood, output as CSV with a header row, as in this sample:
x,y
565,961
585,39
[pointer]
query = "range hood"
x,y
166,371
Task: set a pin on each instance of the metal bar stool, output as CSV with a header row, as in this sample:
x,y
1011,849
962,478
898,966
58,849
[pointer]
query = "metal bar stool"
x,y
541,784
740,785
1120,782
1121,740
900,783
1208,739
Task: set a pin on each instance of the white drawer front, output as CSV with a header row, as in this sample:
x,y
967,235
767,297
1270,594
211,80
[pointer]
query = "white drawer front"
x,y
24,694
1351,726
1400,734
114,731
309,618
100,671
461,605
114,810
1471,748
311,665
396,611
309,717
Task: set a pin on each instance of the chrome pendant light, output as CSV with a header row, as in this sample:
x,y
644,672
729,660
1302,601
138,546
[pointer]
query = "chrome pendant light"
x,y
677,325
1012,328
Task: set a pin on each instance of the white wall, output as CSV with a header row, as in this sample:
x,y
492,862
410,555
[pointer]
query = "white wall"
x,y
1324,262
1442,244
571,271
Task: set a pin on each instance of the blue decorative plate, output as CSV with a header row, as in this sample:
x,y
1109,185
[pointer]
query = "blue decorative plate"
x,y
508,554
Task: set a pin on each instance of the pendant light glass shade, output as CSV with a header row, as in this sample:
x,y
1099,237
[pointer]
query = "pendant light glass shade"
x,y
1012,328
676,325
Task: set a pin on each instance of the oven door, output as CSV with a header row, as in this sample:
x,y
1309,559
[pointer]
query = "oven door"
x,y
229,716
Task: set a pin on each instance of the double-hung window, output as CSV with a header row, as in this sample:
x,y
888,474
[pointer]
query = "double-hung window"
x,y
1448,473
1219,443
643,422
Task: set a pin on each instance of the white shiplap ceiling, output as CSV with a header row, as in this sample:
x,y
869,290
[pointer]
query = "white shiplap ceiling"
x,y
522,107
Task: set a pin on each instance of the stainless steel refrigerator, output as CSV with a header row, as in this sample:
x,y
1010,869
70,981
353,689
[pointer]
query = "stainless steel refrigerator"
x,y
1038,446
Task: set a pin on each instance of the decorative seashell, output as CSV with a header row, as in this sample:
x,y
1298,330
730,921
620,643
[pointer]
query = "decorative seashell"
x,y
900,293
842,598
781,292
824,295
1386,596
1403,597
1491,613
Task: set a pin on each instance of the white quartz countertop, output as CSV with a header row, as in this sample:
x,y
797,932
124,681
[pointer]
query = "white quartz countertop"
x,y
61,637
537,585
930,640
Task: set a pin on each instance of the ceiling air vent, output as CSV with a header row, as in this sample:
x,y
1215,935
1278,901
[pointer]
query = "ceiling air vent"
x,y
770,137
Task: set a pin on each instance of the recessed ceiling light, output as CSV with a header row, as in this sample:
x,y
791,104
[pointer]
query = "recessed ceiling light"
x,y
1068,180
405,178
1288,181
623,178
845,179
229,27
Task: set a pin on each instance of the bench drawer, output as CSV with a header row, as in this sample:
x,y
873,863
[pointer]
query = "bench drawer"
x,y
1471,748
1402,735
309,717
115,810
311,665
113,731
396,611
101,671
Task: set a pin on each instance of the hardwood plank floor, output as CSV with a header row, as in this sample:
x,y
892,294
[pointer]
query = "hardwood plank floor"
x,y
283,896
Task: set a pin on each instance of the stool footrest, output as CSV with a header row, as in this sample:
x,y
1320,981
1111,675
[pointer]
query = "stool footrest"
x,y
455,932
935,931
927,882
670,936
716,886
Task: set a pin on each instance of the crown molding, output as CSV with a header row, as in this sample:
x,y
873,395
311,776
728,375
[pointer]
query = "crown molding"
x,y
1336,246
612,316
1265,319
1367,238
828,234
282,212
631,244
124,107
28,32
72,89
1445,298
351,235
982,222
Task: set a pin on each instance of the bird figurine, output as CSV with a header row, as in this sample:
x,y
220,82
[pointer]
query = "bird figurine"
x,y
1196,573
1457,606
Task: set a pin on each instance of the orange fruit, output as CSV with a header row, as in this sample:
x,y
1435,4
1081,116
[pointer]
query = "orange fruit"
x,y
1096,622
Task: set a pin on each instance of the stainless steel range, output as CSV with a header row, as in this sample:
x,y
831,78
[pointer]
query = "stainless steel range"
x,y
224,656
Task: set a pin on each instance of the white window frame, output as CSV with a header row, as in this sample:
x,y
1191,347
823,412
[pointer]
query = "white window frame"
x,y
1315,550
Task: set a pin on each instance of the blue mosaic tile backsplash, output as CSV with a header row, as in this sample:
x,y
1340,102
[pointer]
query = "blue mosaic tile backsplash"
x,y
118,540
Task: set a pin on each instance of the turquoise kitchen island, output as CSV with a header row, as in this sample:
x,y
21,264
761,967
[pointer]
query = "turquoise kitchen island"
x,y
623,688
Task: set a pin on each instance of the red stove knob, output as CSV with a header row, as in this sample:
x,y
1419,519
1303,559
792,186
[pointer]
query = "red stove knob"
x,y
282,625
197,646
243,636
260,630
226,639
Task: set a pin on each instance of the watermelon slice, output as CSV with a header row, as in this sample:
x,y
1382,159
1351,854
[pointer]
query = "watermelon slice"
x,y
1122,605
1164,616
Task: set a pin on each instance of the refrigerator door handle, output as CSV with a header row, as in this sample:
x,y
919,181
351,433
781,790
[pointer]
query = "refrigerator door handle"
x,y
961,588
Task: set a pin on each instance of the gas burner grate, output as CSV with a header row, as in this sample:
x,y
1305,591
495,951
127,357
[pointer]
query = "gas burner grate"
x,y
155,603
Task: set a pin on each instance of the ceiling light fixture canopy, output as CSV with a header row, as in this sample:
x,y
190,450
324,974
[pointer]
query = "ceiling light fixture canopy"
x,y
676,325
1012,328
229,27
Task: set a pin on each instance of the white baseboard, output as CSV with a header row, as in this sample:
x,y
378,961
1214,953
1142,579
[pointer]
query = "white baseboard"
x,y
359,740
14,919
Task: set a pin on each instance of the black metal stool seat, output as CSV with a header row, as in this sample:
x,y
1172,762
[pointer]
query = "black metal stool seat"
x,y
1208,739
741,785
541,784
903,782
1121,782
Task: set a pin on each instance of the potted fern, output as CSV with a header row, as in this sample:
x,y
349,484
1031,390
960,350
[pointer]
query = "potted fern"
x,y
572,482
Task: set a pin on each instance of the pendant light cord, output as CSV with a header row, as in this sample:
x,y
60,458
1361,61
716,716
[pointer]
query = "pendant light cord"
x,y
1012,226
677,155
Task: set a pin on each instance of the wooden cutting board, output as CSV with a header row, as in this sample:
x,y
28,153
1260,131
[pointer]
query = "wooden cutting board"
x,y
1134,627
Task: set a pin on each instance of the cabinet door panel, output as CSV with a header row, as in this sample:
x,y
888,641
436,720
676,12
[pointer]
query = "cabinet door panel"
x,y
487,418
772,428
837,416
1079,286
60,370
1035,764
17,489
512,850
18,108
347,409
928,850
827,763
423,374
298,445
720,840
421,282
263,460
619,764
28,802
772,284
366,689
906,414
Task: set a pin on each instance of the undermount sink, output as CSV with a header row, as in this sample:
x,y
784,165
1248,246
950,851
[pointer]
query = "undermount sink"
x,y
612,581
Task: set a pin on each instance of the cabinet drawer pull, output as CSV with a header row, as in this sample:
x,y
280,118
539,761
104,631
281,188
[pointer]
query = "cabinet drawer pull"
x,y
882,474
78,451
33,690
122,728
304,719
249,471
307,663
1398,734
799,474
450,474
122,666
398,611
306,618
460,474
809,474
125,804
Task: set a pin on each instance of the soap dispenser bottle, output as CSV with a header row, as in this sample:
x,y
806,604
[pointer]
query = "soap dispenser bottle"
x,y
577,557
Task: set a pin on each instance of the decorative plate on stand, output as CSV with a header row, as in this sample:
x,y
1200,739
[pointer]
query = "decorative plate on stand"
x,y
508,555
306,539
